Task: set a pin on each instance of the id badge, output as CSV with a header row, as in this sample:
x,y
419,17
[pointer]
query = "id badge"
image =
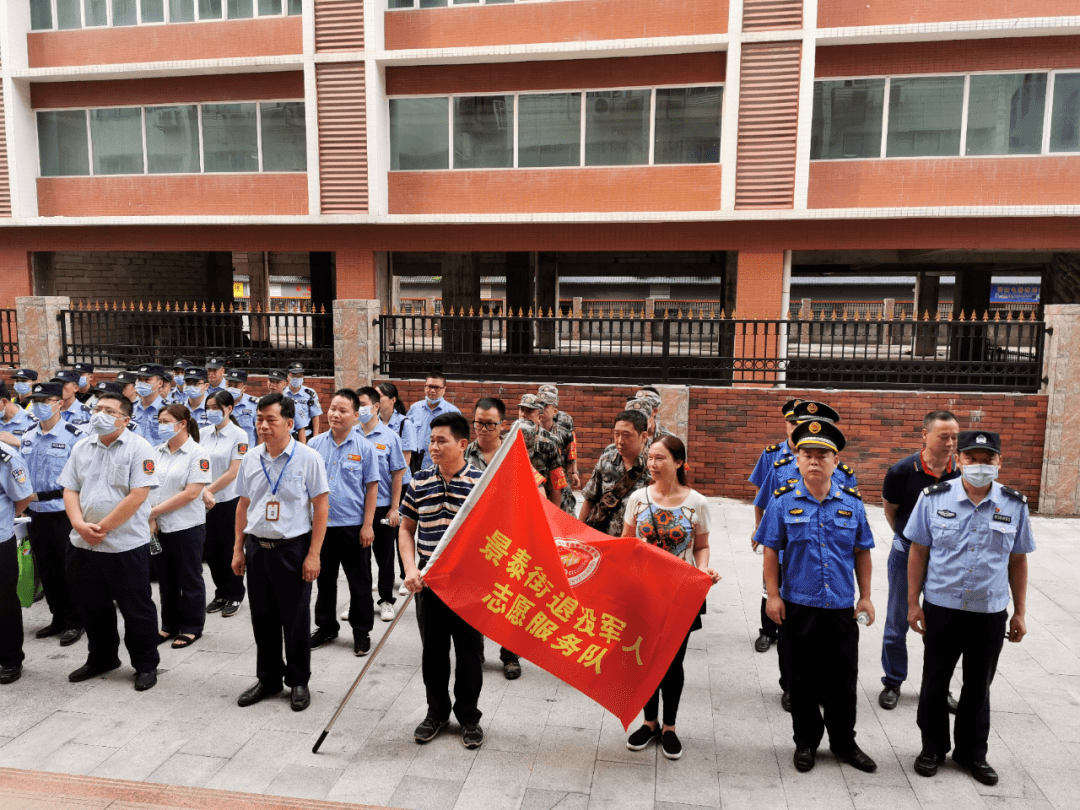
x,y
273,510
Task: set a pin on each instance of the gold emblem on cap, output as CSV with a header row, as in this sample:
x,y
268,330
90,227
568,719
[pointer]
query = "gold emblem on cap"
x,y
815,427
811,408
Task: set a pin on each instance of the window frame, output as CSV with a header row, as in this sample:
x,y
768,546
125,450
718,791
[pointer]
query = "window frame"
x,y
255,15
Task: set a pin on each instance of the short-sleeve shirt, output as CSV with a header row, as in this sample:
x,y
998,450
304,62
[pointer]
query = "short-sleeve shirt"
x,y
224,447
104,476
146,418
190,464
350,467
406,431
306,403
15,485
762,473
819,540
904,483
433,503
422,416
20,424
244,411
388,447
970,544
46,453
76,413
672,528
785,470
302,479
609,471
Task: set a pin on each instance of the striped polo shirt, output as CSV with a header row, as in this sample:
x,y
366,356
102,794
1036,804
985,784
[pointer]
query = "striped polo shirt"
x,y
433,502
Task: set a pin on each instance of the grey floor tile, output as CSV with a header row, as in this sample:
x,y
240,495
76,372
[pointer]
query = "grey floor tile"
x,y
303,782
565,759
444,758
496,781
187,769
618,786
691,779
147,751
517,726
674,806
762,792
33,746
548,799
894,797
421,793
74,758
257,764
375,772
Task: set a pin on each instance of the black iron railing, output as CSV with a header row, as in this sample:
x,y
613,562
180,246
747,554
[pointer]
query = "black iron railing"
x,y
127,335
9,337
961,355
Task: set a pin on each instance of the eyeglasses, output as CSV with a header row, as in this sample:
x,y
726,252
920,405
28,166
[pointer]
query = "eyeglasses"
x,y
108,412
486,426
434,387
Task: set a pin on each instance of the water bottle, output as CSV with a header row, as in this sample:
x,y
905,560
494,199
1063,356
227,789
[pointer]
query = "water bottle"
x,y
155,545
863,618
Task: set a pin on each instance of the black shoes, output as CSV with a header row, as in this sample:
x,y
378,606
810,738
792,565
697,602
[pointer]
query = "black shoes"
x,y
889,697
511,670
642,737
980,769
472,736
71,636
51,629
10,674
299,698
856,758
320,637
256,693
87,671
670,745
785,701
953,705
361,645
216,605
429,729
763,643
804,759
145,680
230,609
926,764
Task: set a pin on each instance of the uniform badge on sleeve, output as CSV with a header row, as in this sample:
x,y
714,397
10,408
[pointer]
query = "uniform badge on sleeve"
x,y
241,448
204,464
148,467
19,475
945,513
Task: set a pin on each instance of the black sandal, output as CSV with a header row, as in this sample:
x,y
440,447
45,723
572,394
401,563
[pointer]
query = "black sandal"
x,y
183,640
165,637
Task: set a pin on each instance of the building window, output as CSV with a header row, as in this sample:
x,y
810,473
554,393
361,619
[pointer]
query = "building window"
x,y
549,129
116,140
924,116
397,4
419,133
1005,114
63,143
152,11
483,132
230,138
41,15
62,15
172,139
847,119
1065,120
284,136
125,12
617,127
687,125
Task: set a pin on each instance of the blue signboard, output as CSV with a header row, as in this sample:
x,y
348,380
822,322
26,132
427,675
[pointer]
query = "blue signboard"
x,y
1014,293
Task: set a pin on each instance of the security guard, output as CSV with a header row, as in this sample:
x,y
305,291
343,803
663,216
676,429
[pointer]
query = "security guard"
x,y
970,538
244,405
195,388
149,404
422,413
215,374
23,380
107,481
72,409
822,530
180,366
14,421
15,494
308,409
280,526
85,393
46,449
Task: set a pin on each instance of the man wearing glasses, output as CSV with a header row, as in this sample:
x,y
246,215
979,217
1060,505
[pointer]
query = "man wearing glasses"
x,y
422,413
488,420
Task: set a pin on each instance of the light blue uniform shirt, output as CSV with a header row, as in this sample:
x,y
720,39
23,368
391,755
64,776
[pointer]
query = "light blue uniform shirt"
x,y
244,410
190,464
969,545
103,476
421,416
46,453
406,432
350,467
307,405
15,485
388,447
76,413
147,420
20,424
302,478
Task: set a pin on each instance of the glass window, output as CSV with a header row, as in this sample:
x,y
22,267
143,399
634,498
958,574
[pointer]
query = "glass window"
x,y
172,139
549,129
687,125
241,9
96,12
230,142
1065,119
400,4
847,119
493,2
181,11
269,7
296,6
209,9
617,127
62,143
465,2
116,137
483,132
432,3
924,116
284,136
153,11
419,137
40,15
124,12
68,15
1005,114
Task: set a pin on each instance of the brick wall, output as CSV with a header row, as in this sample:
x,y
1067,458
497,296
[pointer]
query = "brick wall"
x,y
131,276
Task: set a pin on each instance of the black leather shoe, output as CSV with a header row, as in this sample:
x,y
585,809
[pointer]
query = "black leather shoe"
x,y
804,759
300,698
145,680
953,705
763,643
980,769
51,629
10,674
256,693
216,605
856,758
927,764
785,701
320,637
71,636
86,671
361,645
889,697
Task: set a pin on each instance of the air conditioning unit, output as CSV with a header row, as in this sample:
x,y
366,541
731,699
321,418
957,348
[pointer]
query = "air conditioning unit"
x,y
167,119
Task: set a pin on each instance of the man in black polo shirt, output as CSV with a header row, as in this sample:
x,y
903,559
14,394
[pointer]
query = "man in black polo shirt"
x,y
904,481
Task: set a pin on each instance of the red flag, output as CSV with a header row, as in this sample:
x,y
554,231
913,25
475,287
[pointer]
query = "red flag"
x,y
604,614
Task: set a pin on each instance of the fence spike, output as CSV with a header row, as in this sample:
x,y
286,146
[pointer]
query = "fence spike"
x,y
1008,315
881,314
471,313
723,315
530,312
986,314
258,307
551,312
997,315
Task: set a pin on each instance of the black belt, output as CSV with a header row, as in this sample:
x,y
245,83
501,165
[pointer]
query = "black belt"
x,y
264,543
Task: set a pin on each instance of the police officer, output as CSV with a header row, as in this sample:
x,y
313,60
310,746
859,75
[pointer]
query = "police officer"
x,y
85,394
822,529
904,483
180,366
620,470
14,421
422,413
107,481
276,381
22,381
195,388
149,404
244,405
970,538
72,409
46,449
215,374
352,469
280,526
308,409
15,494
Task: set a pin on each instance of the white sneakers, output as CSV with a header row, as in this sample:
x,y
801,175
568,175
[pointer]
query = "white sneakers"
x,y
403,591
386,611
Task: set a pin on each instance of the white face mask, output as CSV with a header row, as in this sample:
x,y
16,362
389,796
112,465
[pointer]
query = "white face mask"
x,y
433,401
365,414
296,382
236,393
43,411
979,475
22,388
144,389
102,424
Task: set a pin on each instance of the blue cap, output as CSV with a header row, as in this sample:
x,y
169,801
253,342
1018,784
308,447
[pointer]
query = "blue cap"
x,y
25,374
151,370
236,375
978,440
195,373
44,390
67,375
106,387
84,368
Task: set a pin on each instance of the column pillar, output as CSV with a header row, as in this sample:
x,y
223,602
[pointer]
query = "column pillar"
x,y
547,297
460,292
519,298
759,290
927,298
39,332
356,341
18,279
1059,491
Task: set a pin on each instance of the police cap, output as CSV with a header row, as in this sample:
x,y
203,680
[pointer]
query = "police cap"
x,y
215,362
181,362
277,374
66,375
27,374
296,368
125,377
106,387
808,409
788,409
197,373
236,375
151,370
84,368
978,440
44,390
818,433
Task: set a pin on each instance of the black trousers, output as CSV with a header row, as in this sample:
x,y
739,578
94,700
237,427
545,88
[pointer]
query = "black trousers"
x,y
438,626
341,547
103,579
280,603
11,626
978,637
180,580
220,538
671,687
772,630
384,551
821,651
50,539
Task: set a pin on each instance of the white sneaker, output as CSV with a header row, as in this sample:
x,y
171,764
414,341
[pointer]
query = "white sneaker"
x,y
345,613
403,591
386,611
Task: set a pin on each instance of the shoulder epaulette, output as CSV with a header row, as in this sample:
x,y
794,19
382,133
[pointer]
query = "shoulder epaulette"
x,y
785,488
5,456
780,462
772,448
853,491
72,429
1012,493
847,469
934,489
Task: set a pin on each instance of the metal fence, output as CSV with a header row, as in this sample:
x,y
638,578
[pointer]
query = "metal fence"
x,y
9,337
955,355
122,336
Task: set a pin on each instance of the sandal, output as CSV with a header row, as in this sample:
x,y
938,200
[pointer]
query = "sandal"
x,y
183,640
165,636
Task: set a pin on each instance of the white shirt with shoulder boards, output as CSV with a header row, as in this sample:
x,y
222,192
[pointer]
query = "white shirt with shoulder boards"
x,y
672,528
302,477
104,476
224,447
190,464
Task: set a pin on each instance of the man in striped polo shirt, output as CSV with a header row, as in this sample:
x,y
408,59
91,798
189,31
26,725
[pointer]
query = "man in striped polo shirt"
x,y
434,496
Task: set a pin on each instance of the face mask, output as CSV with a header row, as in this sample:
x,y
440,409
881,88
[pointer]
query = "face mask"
x,y
215,417
144,389
170,427
365,414
192,391
22,388
43,411
102,424
433,401
296,382
979,475
178,380
236,393
82,381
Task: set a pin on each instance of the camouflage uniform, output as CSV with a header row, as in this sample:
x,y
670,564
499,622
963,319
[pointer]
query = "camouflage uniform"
x,y
608,471
563,442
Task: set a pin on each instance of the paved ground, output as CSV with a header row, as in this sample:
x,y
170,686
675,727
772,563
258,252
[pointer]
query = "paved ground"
x,y
547,746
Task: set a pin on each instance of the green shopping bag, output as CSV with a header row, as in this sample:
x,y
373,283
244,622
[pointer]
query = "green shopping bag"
x,y
25,589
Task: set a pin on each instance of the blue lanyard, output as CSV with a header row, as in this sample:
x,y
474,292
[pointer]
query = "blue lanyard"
x,y
273,486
